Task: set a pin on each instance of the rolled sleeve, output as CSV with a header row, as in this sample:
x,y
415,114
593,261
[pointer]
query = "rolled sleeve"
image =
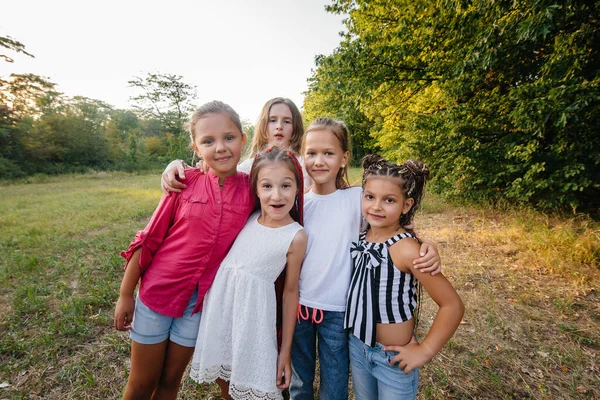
x,y
151,237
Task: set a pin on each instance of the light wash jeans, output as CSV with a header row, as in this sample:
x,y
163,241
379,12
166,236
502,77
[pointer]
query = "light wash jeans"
x,y
333,357
374,378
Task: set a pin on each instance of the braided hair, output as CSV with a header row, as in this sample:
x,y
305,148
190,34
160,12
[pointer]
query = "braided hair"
x,y
412,174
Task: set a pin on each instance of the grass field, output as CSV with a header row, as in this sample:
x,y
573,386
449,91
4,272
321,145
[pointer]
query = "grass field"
x,y
530,284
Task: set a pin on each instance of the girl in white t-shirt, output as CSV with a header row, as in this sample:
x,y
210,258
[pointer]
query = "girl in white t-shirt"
x,y
279,125
332,216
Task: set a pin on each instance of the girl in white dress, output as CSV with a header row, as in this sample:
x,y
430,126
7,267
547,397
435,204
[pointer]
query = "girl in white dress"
x,y
237,343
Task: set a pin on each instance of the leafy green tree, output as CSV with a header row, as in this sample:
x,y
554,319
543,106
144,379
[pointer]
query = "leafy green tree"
x,y
23,98
500,98
168,99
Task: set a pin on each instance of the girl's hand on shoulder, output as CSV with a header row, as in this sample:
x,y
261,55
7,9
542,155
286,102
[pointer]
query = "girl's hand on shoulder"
x,y
124,313
284,371
168,180
411,356
430,259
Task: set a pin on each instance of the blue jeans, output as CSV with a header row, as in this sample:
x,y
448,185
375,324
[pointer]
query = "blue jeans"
x,y
374,378
333,357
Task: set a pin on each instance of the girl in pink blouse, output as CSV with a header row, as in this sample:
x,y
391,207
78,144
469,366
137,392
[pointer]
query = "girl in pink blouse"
x,y
177,256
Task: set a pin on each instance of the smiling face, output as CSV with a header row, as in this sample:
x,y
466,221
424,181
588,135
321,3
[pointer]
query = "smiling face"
x,y
323,159
276,189
280,125
383,202
219,142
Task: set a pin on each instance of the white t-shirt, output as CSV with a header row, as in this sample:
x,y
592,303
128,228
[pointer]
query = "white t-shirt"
x,y
332,222
246,166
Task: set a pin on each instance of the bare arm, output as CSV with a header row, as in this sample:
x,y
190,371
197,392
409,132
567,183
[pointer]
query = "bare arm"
x,y
125,304
290,308
445,323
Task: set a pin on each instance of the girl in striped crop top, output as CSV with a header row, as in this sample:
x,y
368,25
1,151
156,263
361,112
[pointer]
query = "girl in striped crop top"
x,y
384,291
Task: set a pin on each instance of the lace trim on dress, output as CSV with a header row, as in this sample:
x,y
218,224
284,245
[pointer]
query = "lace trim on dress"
x,y
242,392
238,392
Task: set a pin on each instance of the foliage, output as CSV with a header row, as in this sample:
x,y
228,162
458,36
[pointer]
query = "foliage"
x,y
248,129
44,131
501,99
9,43
167,99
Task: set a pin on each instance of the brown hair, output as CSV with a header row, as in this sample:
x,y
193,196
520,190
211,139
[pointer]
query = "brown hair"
x,y
412,174
261,137
287,157
214,107
338,128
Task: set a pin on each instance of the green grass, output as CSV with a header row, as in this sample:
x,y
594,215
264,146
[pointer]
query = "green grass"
x,y
529,283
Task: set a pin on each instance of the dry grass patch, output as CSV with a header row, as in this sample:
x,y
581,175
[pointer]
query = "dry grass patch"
x,y
530,287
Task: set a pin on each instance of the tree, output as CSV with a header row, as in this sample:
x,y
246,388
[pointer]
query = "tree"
x,y
23,97
9,43
500,98
168,99
248,129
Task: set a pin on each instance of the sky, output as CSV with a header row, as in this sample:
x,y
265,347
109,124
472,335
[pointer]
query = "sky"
x,y
242,52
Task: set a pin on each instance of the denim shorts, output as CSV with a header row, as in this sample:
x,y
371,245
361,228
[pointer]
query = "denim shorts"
x,y
374,378
150,327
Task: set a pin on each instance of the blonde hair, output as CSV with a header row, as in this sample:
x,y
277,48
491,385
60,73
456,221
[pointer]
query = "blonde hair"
x,y
261,137
339,130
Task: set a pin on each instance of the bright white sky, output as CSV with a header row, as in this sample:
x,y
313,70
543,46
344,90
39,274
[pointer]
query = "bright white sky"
x,y
240,52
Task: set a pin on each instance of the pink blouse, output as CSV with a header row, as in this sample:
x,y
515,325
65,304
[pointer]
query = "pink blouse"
x,y
187,237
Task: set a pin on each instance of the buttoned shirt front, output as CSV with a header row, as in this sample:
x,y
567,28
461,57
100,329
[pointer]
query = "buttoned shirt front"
x,y
187,237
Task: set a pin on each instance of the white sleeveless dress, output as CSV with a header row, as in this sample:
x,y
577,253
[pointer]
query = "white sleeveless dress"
x,y
237,340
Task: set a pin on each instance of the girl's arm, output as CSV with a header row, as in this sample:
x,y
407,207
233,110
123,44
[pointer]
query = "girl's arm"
x,y
295,256
446,321
126,303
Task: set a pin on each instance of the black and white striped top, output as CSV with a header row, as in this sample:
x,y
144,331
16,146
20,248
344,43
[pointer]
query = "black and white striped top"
x,y
379,292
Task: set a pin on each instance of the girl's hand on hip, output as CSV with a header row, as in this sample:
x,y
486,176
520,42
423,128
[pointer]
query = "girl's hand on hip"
x,y
284,371
168,179
124,313
430,259
409,357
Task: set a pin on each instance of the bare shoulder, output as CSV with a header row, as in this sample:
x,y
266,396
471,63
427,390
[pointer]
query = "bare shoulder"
x,y
299,242
403,252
